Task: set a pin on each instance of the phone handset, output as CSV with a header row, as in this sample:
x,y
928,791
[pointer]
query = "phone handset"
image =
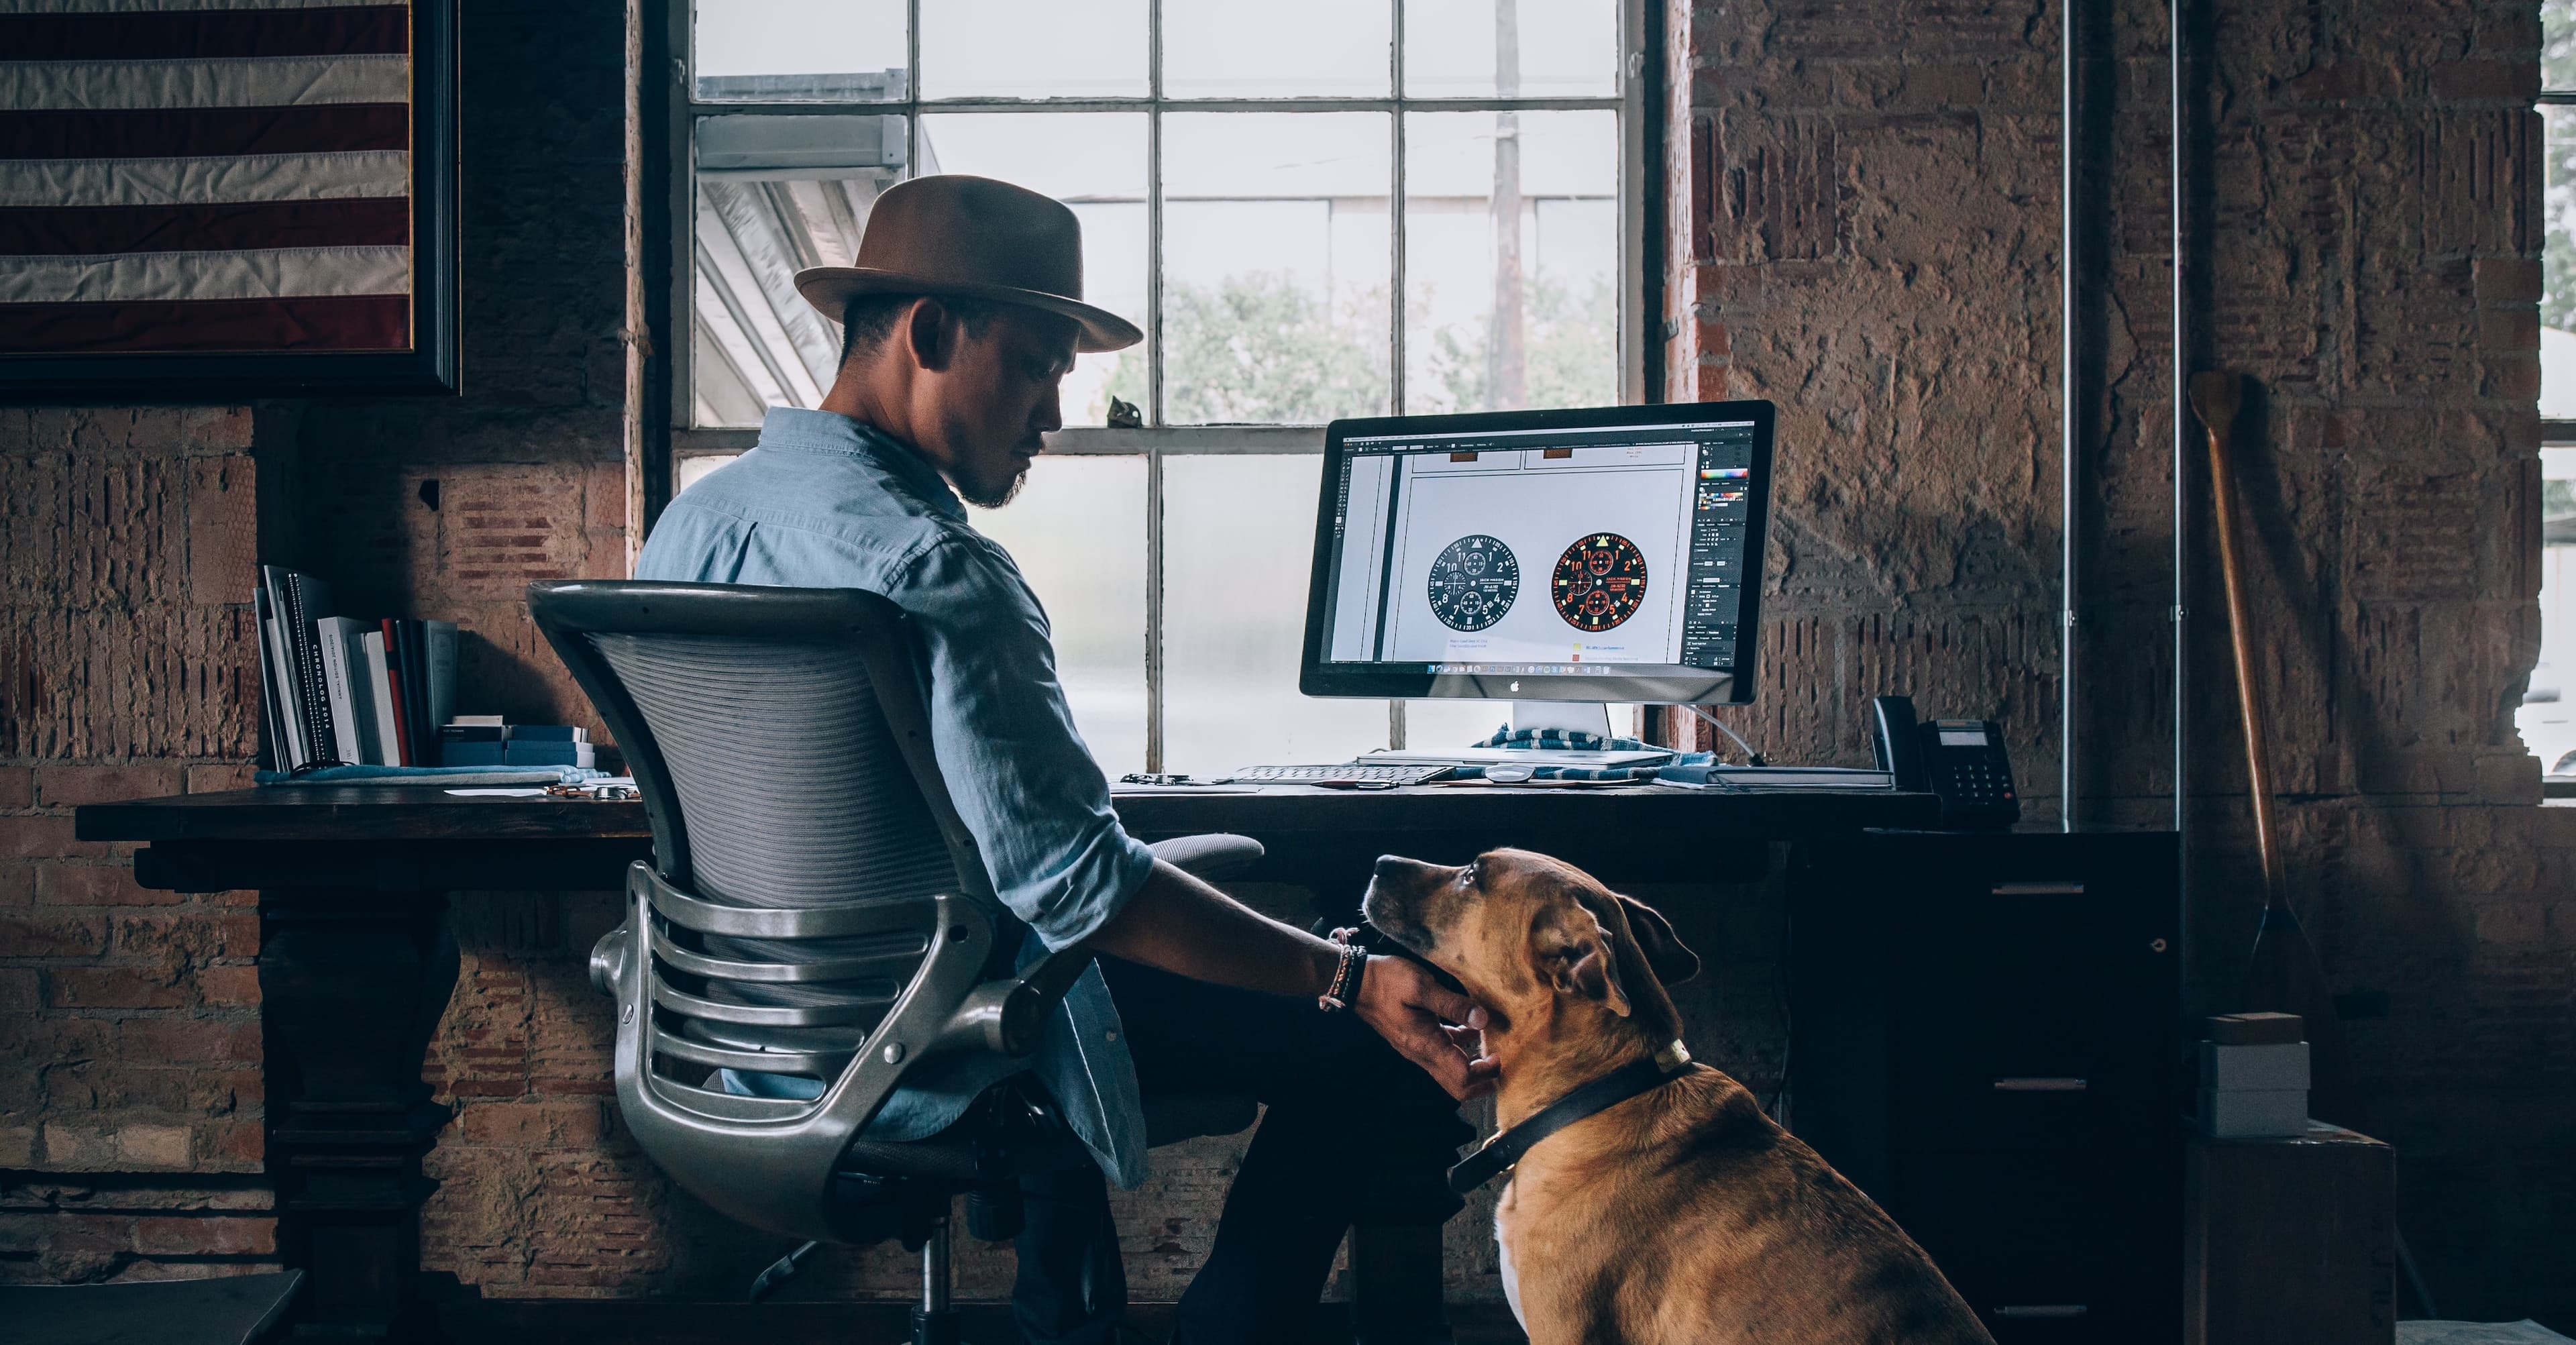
x,y
1893,741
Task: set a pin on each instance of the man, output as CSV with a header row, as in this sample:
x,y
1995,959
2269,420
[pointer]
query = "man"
x,y
961,317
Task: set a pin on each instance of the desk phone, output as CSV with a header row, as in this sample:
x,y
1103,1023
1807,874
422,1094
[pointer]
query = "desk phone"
x,y
1960,761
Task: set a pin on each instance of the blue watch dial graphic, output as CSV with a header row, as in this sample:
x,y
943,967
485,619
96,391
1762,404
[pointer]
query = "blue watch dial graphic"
x,y
1473,582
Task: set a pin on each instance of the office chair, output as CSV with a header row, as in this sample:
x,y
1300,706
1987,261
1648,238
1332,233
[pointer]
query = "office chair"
x,y
815,908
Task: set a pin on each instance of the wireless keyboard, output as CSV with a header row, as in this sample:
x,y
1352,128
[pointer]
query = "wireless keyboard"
x,y
1350,772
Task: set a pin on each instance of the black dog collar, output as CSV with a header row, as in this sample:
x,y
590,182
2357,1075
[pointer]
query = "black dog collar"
x,y
1504,1151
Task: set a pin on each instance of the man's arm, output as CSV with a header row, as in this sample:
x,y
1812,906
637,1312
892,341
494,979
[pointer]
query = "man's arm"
x,y
1184,926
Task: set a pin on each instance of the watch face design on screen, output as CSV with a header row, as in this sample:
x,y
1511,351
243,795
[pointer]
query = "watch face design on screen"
x,y
1600,582
1473,582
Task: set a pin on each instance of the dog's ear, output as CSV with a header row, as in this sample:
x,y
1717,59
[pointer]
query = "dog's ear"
x,y
1574,957
1672,960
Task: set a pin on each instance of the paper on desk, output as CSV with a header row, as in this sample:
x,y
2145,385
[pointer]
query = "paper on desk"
x,y
608,781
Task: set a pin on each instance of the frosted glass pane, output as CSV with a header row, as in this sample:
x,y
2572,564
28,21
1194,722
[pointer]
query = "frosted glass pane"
x,y
1238,543
1275,267
799,51
1077,531
695,469
1559,48
1095,163
1551,272
1266,49
1033,49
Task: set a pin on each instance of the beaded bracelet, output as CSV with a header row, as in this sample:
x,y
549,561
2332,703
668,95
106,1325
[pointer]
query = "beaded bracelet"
x,y
1345,989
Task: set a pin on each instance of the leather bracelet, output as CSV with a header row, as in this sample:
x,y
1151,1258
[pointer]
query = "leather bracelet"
x,y
1345,989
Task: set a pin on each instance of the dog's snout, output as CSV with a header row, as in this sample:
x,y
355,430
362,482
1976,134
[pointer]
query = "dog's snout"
x,y
1396,869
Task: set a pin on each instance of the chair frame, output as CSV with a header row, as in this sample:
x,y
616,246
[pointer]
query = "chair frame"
x,y
778,1156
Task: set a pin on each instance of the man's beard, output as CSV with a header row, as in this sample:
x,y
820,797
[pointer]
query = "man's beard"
x,y
992,499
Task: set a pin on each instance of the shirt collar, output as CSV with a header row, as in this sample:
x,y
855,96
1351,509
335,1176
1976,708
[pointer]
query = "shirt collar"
x,y
797,430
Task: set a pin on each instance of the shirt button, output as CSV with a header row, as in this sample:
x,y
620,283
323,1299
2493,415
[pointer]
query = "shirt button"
x,y
1109,1036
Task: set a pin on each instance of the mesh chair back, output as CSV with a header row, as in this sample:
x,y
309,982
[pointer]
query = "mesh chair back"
x,y
814,907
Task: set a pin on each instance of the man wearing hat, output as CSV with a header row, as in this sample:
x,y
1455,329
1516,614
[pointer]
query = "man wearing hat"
x,y
961,317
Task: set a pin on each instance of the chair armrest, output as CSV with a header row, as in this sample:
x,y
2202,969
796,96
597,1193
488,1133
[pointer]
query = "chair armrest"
x,y
1009,1016
608,958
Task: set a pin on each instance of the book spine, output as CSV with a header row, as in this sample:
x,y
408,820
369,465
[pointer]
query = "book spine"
x,y
272,716
280,669
387,748
333,645
420,737
440,660
306,599
394,686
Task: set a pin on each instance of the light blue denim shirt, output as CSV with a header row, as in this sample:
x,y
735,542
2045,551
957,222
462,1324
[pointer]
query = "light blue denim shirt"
x,y
825,501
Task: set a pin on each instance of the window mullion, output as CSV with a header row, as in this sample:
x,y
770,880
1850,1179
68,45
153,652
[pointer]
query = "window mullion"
x,y
1395,266
1153,384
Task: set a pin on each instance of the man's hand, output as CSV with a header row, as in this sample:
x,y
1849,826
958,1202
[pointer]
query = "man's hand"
x,y
1413,1012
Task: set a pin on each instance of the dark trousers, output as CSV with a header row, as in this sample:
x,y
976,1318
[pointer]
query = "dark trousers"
x,y
1353,1132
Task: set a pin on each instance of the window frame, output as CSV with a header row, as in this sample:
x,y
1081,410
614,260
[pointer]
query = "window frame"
x,y
1642,330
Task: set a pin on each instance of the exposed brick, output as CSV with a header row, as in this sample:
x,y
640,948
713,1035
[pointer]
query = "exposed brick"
x,y
153,1146
2507,279
228,985
190,1040
96,885
223,529
17,883
71,786
17,787
49,934
113,988
210,778
216,1235
2510,330
17,1147
38,836
18,992
2486,81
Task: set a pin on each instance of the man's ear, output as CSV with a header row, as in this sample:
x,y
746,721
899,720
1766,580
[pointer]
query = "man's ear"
x,y
1672,961
1576,961
928,330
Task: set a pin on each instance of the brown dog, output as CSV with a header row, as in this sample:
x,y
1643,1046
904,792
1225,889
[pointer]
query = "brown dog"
x,y
1679,1215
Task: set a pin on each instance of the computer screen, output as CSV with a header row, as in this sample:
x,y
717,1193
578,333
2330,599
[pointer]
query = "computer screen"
x,y
1609,555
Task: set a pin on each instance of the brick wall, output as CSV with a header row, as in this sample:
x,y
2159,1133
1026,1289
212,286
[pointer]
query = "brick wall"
x,y
1866,210
130,1107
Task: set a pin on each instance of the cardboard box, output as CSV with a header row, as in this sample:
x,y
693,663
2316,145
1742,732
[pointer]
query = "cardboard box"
x,y
2254,1069
2289,1241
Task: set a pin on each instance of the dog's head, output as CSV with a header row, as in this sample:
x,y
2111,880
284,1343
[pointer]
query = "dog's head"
x,y
1528,935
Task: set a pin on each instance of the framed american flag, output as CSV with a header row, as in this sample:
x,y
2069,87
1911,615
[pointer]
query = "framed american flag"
x,y
226,198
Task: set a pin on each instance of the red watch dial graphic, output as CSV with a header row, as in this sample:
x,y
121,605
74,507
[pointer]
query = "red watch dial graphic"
x,y
1600,582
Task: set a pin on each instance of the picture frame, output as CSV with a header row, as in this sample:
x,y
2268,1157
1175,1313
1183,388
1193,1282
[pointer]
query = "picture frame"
x,y
178,186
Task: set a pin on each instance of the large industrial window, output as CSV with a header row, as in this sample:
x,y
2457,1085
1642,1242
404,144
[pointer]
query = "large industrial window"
x,y
2547,716
1314,210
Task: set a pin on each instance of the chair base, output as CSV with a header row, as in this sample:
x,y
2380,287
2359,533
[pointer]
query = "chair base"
x,y
935,1328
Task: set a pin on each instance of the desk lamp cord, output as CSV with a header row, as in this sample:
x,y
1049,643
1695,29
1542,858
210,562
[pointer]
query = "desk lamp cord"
x,y
1751,757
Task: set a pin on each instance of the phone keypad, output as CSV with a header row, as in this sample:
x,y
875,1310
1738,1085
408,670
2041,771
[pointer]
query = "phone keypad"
x,y
1980,782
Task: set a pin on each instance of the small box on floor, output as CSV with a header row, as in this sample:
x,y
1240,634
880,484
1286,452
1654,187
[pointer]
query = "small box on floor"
x,y
2254,1077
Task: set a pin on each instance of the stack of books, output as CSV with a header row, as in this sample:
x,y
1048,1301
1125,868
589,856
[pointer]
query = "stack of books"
x,y
338,691
2254,1076
484,740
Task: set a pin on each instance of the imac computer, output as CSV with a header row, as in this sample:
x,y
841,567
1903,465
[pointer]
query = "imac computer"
x,y
1583,556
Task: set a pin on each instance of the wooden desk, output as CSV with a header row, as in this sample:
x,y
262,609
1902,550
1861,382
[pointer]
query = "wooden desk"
x,y
356,961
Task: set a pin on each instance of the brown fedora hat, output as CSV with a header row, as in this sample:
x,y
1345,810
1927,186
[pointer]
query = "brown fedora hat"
x,y
973,237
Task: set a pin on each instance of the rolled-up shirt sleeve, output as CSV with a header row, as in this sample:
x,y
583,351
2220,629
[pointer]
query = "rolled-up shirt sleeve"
x,y
1019,774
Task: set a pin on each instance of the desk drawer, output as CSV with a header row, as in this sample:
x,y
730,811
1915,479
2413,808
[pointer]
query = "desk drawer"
x,y
2042,1034
2053,1247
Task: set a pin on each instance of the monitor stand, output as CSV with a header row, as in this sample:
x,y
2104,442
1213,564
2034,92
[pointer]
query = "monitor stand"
x,y
1570,716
